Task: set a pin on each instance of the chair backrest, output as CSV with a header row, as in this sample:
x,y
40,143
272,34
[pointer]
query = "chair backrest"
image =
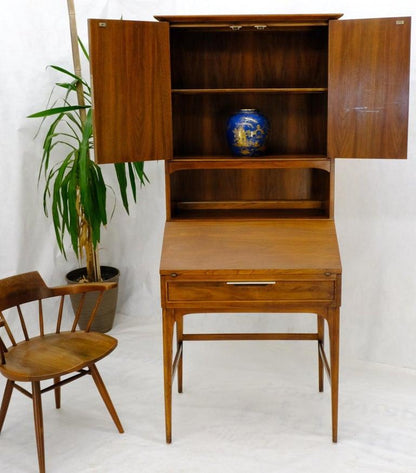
x,y
17,290
30,287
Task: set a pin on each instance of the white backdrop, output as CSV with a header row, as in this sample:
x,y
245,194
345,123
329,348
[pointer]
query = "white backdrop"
x,y
375,200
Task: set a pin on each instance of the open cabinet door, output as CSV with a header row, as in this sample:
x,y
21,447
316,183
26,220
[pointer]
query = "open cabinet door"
x,y
130,68
368,89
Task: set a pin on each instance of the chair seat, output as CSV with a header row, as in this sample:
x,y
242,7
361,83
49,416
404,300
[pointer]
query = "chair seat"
x,y
53,355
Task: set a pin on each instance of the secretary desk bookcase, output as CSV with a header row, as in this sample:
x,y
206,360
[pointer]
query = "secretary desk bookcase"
x,y
250,234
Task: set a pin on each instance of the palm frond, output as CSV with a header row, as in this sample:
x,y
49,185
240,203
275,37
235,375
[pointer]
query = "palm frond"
x,y
57,110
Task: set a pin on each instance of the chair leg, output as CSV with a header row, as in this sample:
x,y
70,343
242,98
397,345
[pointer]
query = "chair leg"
x,y
57,392
105,396
6,400
37,411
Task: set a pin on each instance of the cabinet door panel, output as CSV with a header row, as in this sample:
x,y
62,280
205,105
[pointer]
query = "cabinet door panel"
x,y
368,88
130,67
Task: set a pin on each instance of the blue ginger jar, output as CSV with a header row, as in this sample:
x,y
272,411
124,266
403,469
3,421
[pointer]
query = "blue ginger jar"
x,y
247,132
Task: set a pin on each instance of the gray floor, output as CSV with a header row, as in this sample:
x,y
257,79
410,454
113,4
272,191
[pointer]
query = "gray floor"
x,y
246,407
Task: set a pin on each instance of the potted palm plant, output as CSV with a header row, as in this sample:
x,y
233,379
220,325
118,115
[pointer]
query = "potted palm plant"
x,y
75,193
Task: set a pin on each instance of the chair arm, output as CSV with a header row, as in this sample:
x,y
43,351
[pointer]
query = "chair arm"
x,y
80,288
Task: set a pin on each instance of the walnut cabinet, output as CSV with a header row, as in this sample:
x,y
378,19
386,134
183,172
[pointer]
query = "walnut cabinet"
x,y
250,234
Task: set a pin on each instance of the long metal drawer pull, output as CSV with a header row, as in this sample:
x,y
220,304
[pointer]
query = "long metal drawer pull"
x,y
251,283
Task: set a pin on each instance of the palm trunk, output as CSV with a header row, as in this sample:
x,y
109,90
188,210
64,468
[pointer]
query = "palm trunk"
x,y
75,56
86,245
92,262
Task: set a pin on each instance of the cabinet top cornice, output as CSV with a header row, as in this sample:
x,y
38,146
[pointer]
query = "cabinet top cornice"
x,y
182,20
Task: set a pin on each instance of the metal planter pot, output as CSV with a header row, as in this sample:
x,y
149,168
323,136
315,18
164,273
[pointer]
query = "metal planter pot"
x,y
104,318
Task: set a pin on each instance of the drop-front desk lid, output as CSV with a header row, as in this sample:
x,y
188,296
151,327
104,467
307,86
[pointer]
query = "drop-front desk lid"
x,y
250,246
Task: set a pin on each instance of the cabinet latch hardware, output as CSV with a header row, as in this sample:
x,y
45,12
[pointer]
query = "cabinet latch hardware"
x,y
102,24
327,273
251,283
236,27
399,22
173,275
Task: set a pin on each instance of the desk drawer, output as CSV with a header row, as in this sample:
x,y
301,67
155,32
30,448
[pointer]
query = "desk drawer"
x,y
284,290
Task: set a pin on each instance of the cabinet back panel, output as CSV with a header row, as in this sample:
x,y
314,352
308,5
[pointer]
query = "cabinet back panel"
x,y
230,59
297,122
203,185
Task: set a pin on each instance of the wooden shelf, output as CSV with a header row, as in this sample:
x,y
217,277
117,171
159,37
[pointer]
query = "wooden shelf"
x,y
287,208
248,214
252,90
264,162
252,205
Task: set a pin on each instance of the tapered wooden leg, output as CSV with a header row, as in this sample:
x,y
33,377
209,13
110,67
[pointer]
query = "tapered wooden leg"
x,y
6,401
105,396
57,392
179,336
168,323
37,411
321,332
333,324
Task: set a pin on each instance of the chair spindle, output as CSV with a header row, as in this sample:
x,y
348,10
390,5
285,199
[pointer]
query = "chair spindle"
x,y
92,316
7,328
59,320
22,323
41,326
78,314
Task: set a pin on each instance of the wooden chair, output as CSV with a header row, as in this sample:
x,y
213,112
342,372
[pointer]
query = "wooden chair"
x,y
46,355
